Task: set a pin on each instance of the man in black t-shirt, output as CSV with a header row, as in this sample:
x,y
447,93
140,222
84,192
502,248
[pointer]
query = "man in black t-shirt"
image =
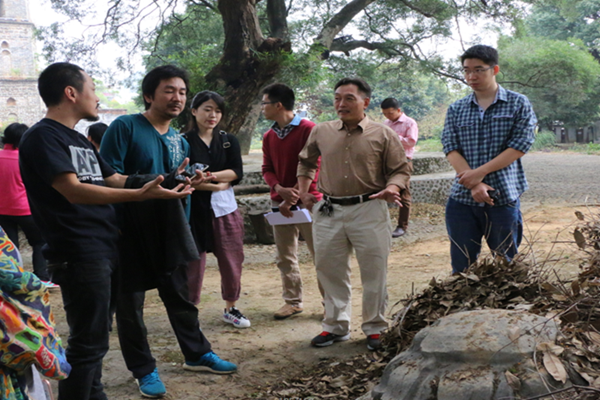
x,y
70,189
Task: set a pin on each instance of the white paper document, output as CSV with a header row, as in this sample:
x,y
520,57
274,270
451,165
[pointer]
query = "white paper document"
x,y
300,217
223,202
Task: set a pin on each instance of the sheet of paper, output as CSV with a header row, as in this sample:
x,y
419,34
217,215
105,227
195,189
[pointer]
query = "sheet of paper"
x,y
300,217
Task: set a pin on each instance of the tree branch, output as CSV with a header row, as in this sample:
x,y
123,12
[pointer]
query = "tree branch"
x,y
416,9
346,47
339,21
277,15
204,3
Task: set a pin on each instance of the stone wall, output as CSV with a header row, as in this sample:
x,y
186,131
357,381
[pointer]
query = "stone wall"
x,y
20,102
16,49
14,9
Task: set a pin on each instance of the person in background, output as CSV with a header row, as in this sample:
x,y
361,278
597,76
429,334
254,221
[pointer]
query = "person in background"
x,y
485,135
281,146
14,206
95,133
408,132
216,222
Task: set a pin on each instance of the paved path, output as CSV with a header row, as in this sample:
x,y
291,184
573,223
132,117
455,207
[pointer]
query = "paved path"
x,y
567,177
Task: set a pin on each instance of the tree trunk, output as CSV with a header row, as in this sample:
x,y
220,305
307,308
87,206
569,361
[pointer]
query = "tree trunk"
x,y
249,62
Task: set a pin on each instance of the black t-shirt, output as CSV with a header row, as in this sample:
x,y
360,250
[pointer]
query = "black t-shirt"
x,y
74,232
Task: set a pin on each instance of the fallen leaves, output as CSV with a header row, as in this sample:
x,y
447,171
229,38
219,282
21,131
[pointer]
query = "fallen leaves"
x,y
488,284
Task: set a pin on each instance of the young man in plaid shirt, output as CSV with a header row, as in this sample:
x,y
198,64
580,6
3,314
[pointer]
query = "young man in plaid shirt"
x,y
485,135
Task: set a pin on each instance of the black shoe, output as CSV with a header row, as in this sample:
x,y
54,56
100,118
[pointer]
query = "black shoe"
x,y
326,339
373,342
398,232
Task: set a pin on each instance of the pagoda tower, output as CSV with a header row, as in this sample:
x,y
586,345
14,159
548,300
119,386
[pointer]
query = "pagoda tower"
x,y
19,98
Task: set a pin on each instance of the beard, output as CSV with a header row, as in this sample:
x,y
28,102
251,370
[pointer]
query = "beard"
x,y
92,118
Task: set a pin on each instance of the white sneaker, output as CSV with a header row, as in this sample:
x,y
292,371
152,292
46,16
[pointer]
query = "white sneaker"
x,y
236,318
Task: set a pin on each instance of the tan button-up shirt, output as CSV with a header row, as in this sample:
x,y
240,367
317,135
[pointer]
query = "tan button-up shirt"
x,y
364,160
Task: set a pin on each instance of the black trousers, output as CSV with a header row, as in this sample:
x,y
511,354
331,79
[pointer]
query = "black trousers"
x,y
183,316
11,224
86,292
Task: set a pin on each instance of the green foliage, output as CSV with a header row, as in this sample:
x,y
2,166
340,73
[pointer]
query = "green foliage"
x,y
561,78
588,148
563,20
430,145
544,141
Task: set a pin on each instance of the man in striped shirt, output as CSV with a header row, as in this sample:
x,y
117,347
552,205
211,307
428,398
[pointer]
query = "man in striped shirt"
x,y
485,135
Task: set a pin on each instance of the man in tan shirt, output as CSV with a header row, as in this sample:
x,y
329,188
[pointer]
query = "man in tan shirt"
x,y
363,166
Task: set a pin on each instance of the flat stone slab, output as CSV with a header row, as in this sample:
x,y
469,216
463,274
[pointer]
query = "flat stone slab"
x,y
466,356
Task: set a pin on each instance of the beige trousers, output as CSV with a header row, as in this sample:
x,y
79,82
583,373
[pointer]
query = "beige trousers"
x,y
366,228
286,241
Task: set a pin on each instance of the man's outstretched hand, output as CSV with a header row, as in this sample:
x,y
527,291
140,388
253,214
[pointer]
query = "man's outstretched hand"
x,y
153,190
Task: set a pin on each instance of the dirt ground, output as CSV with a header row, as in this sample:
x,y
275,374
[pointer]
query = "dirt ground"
x,y
271,350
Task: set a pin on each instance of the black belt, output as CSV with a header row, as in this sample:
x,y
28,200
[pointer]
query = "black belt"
x,y
348,201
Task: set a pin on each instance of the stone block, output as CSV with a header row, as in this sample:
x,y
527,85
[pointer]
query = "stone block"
x,y
466,355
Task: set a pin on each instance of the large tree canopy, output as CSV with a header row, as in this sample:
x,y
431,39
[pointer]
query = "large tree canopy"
x,y
561,78
565,20
261,39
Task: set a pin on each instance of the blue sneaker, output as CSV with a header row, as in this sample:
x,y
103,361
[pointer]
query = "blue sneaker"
x,y
210,362
151,386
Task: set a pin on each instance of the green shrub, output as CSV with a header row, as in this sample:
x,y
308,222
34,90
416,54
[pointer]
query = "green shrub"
x,y
593,148
544,141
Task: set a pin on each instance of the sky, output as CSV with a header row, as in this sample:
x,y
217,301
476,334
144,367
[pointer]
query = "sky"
x,y
42,14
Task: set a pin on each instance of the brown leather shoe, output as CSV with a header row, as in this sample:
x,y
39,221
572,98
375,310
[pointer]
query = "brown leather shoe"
x,y
287,311
398,232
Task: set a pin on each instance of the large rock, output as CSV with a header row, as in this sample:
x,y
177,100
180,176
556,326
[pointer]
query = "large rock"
x,y
466,356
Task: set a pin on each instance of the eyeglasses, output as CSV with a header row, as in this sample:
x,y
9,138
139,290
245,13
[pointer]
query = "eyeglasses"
x,y
264,103
476,71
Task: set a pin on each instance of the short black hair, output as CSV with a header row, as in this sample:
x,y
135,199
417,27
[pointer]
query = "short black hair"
x,y
487,54
96,131
158,74
13,134
280,93
197,101
390,102
363,86
55,78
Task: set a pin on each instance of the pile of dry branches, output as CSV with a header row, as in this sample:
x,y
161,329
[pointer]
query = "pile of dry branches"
x,y
489,284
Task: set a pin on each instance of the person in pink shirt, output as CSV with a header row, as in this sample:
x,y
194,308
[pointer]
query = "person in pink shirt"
x,y
14,207
408,132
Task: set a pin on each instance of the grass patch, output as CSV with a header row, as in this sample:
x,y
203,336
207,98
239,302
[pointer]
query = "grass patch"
x,y
429,145
588,148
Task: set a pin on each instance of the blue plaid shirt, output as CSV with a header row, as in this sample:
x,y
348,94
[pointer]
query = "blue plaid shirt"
x,y
508,122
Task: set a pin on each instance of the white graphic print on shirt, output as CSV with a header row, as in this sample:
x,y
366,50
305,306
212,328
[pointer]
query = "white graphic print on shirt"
x,y
175,150
85,164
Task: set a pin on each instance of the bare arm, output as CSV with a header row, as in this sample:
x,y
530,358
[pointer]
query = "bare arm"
x,y
212,187
76,192
308,199
457,161
115,181
469,178
227,175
